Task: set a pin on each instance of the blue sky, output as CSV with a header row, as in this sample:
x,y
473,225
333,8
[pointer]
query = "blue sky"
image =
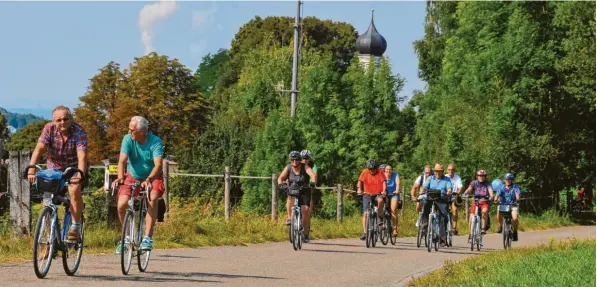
x,y
50,50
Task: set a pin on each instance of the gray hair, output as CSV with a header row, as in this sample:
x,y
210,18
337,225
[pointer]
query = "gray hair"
x,y
141,123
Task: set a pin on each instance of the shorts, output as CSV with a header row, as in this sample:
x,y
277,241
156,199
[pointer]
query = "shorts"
x,y
304,197
157,185
366,199
84,184
482,204
514,210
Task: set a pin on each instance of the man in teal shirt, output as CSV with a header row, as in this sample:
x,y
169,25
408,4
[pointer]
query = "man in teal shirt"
x,y
144,152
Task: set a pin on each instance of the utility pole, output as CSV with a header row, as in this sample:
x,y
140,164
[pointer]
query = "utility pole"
x,y
294,91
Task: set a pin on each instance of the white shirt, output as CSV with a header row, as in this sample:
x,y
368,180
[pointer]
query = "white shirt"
x,y
456,182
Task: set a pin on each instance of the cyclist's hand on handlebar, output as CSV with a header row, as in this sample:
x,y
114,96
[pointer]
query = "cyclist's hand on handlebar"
x,y
413,198
117,182
31,174
384,193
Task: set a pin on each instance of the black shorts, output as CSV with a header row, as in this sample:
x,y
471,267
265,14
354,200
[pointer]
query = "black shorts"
x,y
304,197
367,198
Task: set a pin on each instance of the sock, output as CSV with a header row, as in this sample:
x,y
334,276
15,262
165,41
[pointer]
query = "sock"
x,y
76,226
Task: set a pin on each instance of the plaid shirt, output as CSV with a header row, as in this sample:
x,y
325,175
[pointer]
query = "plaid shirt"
x,y
61,154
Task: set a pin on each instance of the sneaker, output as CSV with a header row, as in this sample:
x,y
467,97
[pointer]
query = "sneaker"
x,y
395,233
73,236
288,221
515,236
470,238
146,243
499,230
454,231
306,239
364,236
483,232
127,241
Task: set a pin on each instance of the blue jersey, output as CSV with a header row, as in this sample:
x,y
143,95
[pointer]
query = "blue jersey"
x,y
508,195
443,184
391,182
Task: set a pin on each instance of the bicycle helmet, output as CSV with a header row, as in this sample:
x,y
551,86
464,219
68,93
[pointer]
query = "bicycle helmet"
x,y
481,173
509,176
294,155
305,154
383,166
371,164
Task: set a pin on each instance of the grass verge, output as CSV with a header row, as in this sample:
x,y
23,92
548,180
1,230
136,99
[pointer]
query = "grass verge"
x,y
191,225
562,263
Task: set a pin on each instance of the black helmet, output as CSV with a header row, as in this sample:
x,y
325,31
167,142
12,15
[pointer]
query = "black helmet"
x,y
372,164
305,154
294,155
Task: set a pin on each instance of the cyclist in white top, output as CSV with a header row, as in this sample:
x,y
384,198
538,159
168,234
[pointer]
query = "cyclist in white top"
x,y
456,192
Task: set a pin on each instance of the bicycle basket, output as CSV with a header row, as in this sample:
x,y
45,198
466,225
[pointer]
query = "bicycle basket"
x,y
293,190
504,209
49,180
433,194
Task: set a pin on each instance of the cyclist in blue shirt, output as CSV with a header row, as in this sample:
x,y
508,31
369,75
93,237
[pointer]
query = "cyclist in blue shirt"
x,y
509,194
393,186
439,182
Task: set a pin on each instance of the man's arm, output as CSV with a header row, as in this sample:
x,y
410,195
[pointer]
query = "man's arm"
x,y
490,189
82,156
311,173
39,148
157,167
121,162
412,191
359,187
385,188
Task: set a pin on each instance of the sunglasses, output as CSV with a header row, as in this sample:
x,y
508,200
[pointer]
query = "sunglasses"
x,y
295,159
62,120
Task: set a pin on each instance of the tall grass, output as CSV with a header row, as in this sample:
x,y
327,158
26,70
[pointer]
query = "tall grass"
x,y
563,263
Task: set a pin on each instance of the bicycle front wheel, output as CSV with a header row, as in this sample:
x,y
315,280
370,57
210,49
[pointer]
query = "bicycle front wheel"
x,y
142,255
43,244
473,236
126,242
72,253
430,235
295,232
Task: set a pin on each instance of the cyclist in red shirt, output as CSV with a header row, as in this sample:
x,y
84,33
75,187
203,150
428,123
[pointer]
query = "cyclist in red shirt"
x,y
373,181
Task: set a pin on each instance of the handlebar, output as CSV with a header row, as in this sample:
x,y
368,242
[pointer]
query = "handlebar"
x,y
132,185
67,174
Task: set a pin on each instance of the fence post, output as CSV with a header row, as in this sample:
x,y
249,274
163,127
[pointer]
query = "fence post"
x,y
340,203
166,175
403,202
227,193
274,198
20,207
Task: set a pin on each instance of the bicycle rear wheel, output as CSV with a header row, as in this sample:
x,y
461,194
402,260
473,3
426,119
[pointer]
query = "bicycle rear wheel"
x,y
128,231
436,232
73,252
385,232
375,230
43,244
420,232
142,255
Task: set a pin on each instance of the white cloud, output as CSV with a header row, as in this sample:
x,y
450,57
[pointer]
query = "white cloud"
x,y
151,14
204,19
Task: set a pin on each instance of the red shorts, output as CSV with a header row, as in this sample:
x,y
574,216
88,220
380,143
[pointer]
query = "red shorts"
x,y
482,204
157,185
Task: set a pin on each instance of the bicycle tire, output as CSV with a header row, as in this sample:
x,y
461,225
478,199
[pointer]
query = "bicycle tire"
x,y
430,234
375,230
449,232
125,260
295,233
42,272
384,233
299,230
369,227
420,234
436,231
479,235
78,247
473,235
142,255
392,237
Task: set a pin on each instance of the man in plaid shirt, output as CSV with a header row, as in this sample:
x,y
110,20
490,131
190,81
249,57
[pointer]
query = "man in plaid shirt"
x,y
65,143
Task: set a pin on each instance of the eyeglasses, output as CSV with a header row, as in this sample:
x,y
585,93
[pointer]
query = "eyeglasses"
x,y
62,120
450,169
295,159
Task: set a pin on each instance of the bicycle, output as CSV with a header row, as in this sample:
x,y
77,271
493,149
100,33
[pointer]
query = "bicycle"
x,y
433,236
476,234
421,232
295,230
505,211
54,186
133,229
387,228
371,220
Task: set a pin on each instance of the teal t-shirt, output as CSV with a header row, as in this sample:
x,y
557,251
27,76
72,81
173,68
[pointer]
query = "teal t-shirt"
x,y
141,155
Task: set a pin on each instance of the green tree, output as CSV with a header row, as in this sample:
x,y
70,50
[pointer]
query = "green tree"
x,y
207,73
26,138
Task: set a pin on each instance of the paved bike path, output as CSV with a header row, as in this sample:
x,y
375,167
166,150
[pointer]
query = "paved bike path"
x,y
338,262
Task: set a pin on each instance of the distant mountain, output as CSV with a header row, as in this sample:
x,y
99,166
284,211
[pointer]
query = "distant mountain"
x,y
18,120
40,112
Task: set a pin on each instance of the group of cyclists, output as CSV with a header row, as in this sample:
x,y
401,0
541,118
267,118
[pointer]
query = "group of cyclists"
x,y
381,184
65,144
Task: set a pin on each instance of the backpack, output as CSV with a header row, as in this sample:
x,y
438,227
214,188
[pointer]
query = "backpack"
x,y
421,180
